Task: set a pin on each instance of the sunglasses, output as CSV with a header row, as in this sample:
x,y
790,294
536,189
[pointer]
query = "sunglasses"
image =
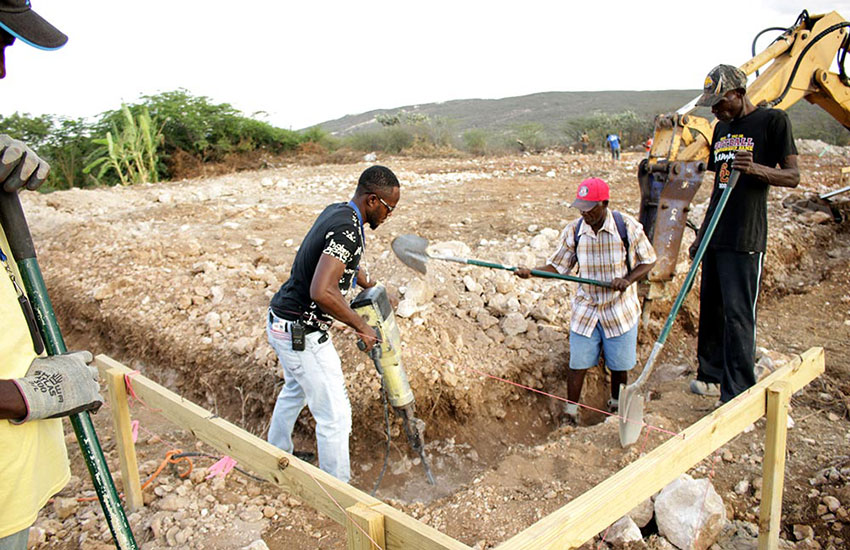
x,y
388,207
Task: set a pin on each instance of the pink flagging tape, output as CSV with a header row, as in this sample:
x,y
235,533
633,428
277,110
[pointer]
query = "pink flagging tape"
x,y
128,384
221,468
134,430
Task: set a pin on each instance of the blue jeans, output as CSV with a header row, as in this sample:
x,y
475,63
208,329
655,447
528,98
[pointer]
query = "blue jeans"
x,y
620,351
16,541
312,377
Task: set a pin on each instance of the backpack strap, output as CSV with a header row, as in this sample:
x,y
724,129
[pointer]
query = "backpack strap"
x,y
621,229
624,236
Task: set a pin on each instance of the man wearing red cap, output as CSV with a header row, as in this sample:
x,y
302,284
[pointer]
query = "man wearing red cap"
x,y
34,391
607,246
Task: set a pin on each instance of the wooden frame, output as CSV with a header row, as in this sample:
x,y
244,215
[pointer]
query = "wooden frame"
x,y
569,527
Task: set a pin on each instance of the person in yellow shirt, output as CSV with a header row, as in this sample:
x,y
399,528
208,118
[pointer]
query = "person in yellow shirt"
x,y
34,391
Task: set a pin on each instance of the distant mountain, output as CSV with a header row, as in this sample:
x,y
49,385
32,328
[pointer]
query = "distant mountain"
x,y
553,109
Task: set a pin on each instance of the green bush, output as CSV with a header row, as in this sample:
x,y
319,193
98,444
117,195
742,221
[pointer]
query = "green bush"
x,y
475,141
633,129
530,136
129,151
206,130
63,142
193,125
389,139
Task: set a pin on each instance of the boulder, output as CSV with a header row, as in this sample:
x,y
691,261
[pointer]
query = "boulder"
x,y
65,507
622,531
642,513
485,320
406,308
690,513
471,284
419,291
539,243
550,234
513,324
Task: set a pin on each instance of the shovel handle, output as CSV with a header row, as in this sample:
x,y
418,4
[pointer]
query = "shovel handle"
x,y
536,272
15,227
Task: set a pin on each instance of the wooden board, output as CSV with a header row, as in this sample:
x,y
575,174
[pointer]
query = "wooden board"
x,y
593,511
315,487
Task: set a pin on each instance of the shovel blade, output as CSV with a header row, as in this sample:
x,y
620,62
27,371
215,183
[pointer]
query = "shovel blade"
x,y
631,414
411,250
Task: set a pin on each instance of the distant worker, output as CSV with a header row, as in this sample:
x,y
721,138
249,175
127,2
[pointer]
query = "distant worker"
x,y
754,141
585,142
34,391
648,145
608,246
613,141
327,265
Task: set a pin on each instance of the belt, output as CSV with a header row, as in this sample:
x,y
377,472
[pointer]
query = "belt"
x,y
287,323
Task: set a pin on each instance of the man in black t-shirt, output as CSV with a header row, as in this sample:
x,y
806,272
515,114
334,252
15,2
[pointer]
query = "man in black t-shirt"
x,y
327,265
754,141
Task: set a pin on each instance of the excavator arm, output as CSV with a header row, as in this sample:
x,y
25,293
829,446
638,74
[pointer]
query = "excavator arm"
x,y
797,67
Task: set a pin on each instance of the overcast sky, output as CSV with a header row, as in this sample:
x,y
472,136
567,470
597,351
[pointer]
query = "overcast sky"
x,y
303,62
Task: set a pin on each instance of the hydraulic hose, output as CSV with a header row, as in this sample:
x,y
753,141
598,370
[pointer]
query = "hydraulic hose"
x,y
769,29
802,56
389,440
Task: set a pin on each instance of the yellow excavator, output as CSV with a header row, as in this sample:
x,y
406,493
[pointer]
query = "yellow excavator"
x,y
799,62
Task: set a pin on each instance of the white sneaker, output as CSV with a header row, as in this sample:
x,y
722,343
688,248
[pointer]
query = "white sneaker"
x,y
613,405
705,388
571,413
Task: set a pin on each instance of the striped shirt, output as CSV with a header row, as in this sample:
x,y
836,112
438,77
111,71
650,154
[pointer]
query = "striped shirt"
x,y
602,256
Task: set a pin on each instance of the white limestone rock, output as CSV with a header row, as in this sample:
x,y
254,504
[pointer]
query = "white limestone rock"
x,y
690,513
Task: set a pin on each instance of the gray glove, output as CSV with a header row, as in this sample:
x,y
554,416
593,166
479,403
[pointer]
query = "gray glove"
x,y
20,166
60,385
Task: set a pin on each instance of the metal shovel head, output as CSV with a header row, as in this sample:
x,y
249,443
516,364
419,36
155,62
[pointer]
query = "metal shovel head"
x,y
411,250
631,414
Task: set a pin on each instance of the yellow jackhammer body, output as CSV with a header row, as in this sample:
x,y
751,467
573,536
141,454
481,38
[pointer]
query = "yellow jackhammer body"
x,y
374,306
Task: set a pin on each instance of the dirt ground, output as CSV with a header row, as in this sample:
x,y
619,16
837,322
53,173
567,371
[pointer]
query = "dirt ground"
x,y
174,279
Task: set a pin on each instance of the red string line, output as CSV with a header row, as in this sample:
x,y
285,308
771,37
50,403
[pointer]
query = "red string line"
x,y
559,398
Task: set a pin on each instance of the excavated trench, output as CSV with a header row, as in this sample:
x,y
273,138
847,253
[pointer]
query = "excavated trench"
x,y
174,281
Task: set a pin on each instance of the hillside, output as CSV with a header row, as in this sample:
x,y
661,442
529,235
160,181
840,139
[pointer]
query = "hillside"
x,y
552,110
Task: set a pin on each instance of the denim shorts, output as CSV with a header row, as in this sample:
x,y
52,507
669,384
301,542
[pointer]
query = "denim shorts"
x,y
620,351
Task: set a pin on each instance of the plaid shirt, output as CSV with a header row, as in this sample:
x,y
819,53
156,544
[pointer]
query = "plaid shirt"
x,y
602,256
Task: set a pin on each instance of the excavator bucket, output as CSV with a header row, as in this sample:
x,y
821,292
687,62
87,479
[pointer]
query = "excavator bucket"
x,y
667,190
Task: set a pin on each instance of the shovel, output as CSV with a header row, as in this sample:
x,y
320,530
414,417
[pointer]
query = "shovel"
x,y
15,226
412,251
631,396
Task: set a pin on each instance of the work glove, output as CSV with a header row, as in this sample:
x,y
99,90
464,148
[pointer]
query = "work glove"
x,y
59,385
20,166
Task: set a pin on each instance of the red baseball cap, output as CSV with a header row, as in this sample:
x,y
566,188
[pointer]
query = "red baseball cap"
x,y
590,192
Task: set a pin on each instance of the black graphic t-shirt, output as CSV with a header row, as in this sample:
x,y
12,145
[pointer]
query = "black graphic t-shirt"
x,y
767,133
336,232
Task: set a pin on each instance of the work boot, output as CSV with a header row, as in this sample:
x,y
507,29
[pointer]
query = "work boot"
x,y
613,405
705,388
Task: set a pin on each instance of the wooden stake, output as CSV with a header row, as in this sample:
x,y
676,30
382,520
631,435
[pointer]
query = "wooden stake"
x,y
770,510
370,521
124,439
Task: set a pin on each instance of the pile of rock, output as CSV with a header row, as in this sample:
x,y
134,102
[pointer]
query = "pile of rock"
x,y
688,513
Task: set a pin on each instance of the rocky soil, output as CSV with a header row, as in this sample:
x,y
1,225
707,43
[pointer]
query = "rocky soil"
x,y
174,280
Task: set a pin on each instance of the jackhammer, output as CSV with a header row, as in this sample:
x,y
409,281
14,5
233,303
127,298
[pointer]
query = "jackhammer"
x,y
374,306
